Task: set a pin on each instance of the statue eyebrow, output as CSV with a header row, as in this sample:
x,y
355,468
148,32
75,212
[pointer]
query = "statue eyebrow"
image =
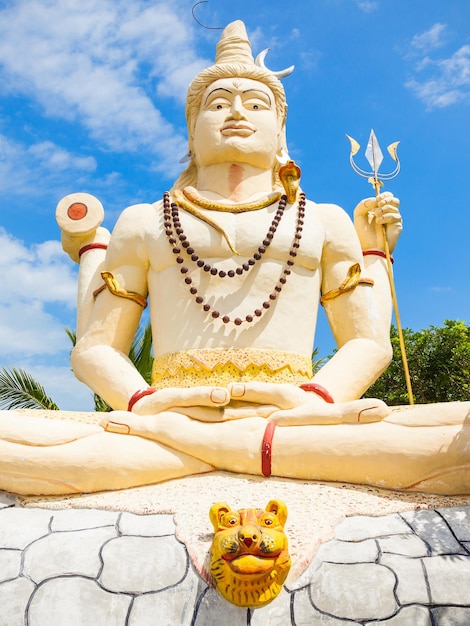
x,y
259,91
216,89
243,92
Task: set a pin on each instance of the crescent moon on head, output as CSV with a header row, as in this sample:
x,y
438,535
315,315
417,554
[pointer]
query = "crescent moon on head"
x,y
259,61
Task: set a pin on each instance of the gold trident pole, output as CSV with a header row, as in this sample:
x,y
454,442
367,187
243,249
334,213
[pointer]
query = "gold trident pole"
x,y
375,157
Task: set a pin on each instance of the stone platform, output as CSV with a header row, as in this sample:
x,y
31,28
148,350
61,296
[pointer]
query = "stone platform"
x,y
77,567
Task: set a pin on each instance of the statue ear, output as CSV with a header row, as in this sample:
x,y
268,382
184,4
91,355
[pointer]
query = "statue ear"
x,y
279,508
216,510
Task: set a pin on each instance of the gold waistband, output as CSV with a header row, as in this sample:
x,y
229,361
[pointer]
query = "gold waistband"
x,y
220,367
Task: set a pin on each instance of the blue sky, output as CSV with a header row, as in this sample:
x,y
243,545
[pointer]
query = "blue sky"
x,y
92,99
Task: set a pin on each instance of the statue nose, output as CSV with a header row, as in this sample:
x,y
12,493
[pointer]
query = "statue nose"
x,y
237,108
248,537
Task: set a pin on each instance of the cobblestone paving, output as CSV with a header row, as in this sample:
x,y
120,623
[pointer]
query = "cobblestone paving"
x,y
82,567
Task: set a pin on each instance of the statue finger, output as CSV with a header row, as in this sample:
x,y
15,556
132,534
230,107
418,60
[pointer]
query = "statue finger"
x,y
307,414
283,396
365,206
121,423
365,411
389,217
164,399
393,202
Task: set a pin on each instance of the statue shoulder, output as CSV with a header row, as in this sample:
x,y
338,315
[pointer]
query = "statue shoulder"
x,y
128,239
332,216
136,219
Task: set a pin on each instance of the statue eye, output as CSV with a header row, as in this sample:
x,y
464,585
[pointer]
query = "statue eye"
x,y
255,107
268,522
232,521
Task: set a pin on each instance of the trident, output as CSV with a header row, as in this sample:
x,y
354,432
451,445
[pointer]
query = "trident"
x,y
375,157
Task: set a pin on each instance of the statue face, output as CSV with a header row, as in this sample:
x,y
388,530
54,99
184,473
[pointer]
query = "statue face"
x,y
237,123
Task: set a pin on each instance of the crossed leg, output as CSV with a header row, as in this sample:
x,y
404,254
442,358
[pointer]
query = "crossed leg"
x,y
397,453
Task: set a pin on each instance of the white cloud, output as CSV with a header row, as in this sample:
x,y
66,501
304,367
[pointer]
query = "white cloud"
x,y
33,280
38,282
31,169
368,6
99,62
447,81
55,159
430,39
439,82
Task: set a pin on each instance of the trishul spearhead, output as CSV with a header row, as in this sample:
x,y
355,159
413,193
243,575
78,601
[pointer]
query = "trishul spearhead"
x,y
374,155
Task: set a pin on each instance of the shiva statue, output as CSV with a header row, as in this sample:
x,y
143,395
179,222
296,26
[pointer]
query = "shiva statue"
x,y
233,263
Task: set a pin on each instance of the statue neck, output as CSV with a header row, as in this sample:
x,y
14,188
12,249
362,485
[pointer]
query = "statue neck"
x,y
234,182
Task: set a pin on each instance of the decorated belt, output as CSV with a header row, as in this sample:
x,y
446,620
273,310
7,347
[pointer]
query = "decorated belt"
x,y
191,368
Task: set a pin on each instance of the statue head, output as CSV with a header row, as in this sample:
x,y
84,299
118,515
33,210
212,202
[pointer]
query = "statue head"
x,y
234,59
249,559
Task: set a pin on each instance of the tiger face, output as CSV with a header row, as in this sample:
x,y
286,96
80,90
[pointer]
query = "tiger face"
x,y
249,561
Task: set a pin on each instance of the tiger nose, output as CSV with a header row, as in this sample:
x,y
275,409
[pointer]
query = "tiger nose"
x,y
248,536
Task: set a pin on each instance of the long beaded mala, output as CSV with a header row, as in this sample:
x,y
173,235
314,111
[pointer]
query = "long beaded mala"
x,y
178,240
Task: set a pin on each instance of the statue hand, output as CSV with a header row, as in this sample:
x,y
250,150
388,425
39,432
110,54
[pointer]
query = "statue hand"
x,y
362,411
281,403
217,404
373,213
288,405
202,403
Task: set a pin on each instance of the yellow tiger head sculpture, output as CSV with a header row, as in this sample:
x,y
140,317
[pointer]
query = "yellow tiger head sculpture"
x,y
249,559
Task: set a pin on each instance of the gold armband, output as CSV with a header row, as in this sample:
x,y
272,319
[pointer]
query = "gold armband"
x,y
115,288
352,280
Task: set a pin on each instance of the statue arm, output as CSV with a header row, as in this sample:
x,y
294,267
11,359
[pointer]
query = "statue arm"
x,y
100,357
359,319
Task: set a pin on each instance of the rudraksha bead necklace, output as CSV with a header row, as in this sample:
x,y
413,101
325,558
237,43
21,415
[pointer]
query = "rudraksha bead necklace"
x,y
175,233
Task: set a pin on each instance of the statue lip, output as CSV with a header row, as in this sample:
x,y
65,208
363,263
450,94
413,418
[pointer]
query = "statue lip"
x,y
233,128
232,557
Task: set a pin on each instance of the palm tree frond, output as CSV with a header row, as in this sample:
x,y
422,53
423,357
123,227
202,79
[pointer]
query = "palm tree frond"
x,y
72,335
19,390
141,352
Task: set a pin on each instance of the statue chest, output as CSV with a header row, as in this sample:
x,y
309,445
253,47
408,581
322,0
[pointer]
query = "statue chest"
x,y
219,235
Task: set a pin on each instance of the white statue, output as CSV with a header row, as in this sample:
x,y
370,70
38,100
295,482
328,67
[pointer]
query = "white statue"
x,y
233,271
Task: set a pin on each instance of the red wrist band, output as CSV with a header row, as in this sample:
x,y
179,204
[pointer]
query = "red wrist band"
x,y
377,253
266,449
319,390
92,246
138,395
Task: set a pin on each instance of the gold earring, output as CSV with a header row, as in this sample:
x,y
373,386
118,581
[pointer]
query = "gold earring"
x,y
187,157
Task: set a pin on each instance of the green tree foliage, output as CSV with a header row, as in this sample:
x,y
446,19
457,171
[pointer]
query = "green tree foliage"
x,y
439,364
19,390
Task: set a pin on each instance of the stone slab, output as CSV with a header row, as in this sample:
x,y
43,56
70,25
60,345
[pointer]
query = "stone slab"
x,y
335,551
458,519
407,545
363,527
434,530
359,592
81,519
411,580
20,527
77,602
449,579
408,616
14,598
146,525
67,553
143,564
